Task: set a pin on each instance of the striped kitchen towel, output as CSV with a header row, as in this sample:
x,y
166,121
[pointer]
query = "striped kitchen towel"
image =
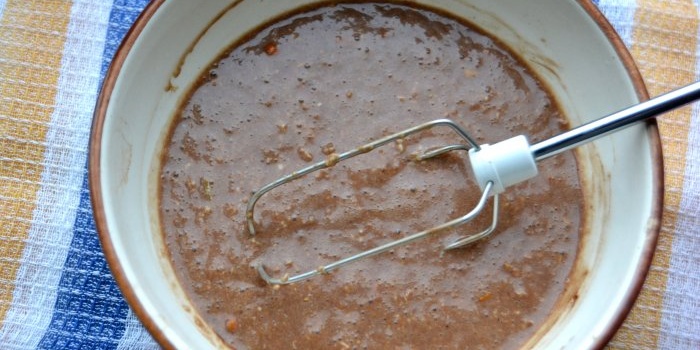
x,y
56,291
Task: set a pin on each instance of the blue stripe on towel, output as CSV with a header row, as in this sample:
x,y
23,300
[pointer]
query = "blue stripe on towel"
x,y
90,310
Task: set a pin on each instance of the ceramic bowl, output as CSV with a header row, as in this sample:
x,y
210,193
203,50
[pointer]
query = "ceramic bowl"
x,y
569,44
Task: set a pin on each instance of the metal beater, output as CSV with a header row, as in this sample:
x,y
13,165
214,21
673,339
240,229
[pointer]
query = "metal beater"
x,y
495,167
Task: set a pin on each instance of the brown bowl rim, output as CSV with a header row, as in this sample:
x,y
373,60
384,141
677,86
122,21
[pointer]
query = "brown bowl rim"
x,y
158,334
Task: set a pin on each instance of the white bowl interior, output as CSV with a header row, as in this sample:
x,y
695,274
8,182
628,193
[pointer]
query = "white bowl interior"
x,y
557,38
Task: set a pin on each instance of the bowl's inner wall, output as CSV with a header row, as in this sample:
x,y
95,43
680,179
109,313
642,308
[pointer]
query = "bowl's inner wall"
x,y
587,78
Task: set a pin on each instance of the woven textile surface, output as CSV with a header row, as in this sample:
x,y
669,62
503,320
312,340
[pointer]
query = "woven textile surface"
x,y
56,290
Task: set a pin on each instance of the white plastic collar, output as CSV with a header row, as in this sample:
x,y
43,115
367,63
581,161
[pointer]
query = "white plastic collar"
x,y
505,163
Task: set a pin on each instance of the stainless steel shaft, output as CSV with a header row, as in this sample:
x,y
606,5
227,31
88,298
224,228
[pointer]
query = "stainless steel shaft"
x,y
616,121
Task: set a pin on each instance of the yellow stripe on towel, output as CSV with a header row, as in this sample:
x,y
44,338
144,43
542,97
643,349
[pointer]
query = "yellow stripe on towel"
x,y
32,36
663,45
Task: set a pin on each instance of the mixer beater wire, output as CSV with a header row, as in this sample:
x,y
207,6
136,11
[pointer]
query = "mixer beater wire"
x,y
495,167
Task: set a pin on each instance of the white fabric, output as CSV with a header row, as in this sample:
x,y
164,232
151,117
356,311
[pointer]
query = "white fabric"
x,y
50,235
135,336
2,7
620,13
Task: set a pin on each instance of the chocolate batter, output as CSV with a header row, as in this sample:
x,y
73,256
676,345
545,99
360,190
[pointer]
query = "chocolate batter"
x,y
326,80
